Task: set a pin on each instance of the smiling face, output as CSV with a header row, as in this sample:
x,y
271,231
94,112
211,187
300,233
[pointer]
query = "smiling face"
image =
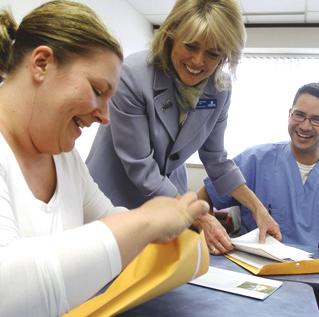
x,y
194,62
304,136
72,97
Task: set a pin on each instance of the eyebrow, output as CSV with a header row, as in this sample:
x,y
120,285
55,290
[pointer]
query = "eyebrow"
x,y
212,49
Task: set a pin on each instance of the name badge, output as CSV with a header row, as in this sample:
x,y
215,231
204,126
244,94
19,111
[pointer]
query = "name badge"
x,y
206,104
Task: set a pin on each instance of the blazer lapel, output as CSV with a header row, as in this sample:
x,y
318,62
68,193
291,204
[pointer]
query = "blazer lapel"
x,y
195,120
164,102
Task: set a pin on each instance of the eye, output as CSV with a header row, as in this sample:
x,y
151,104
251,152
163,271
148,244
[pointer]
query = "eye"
x,y
213,54
190,46
315,120
299,114
96,91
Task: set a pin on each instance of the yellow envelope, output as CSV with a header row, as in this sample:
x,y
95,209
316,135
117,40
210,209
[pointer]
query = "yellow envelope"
x,y
281,268
156,270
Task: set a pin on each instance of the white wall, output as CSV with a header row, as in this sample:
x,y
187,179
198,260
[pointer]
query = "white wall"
x,y
134,33
129,26
20,8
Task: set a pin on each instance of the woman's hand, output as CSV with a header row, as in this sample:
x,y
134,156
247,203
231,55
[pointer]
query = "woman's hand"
x,y
160,219
171,216
217,239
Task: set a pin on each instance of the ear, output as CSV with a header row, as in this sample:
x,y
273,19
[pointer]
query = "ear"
x,y
42,58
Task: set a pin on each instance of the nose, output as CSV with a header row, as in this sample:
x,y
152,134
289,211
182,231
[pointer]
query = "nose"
x,y
305,125
101,114
198,58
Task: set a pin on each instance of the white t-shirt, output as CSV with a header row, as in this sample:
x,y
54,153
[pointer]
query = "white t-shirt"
x,y
305,171
50,261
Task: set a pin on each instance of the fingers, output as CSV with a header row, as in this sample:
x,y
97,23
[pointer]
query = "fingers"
x,y
216,236
262,235
269,226
195,208
214,251
220,246
276,233
188,198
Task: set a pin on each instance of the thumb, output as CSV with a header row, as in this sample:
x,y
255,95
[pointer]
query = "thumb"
x,y
197,209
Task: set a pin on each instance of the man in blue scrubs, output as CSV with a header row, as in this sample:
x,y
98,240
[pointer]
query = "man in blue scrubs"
x,y
285,175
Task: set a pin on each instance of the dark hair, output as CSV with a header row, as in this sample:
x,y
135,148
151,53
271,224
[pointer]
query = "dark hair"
x,y
311,89
69,28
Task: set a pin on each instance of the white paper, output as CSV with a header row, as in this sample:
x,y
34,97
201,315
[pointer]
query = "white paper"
x,y
272,248
237,283
251,259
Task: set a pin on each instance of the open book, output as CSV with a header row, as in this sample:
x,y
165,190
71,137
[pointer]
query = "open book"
x,y
271,257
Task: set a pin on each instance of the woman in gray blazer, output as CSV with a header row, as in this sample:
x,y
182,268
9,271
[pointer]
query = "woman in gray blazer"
x,y
171,102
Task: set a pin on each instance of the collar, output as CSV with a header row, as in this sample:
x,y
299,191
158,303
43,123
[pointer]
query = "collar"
x,y
163,81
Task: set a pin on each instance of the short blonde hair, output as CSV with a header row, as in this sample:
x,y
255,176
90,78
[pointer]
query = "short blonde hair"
x,y
215,22
68,27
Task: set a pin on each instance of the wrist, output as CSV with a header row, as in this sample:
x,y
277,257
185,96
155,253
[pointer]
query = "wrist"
x,y
147,225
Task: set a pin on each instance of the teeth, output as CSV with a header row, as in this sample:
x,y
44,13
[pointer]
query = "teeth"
x,y
193,71
78,122
303,135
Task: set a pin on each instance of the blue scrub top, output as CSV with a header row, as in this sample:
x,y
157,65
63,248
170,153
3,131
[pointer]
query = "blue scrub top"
x,y
271,171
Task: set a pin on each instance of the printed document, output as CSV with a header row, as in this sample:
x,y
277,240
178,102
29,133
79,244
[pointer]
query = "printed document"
x,y
237,283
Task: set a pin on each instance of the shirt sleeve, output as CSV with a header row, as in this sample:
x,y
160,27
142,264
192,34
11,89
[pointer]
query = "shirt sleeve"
x,y
47,276
220,201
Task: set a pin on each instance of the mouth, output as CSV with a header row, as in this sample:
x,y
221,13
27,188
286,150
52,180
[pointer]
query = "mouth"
x,y
303,135
192,70
79,123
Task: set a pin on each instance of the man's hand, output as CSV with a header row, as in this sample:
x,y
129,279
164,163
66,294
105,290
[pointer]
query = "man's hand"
x,y
266,224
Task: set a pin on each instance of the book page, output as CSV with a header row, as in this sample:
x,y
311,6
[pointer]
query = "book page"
x,y
272,248
237,283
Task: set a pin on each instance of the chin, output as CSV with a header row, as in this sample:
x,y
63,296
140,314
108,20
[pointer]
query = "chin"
x,y
191,82
68,148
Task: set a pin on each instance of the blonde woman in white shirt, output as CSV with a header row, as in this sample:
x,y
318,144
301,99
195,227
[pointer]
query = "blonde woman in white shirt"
x,y
61,239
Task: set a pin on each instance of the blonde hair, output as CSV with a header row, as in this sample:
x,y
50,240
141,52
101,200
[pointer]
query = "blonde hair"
x,y
68,27
213,22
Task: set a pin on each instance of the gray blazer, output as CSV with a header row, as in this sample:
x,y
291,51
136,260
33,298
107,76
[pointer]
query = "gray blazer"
x,y
141,152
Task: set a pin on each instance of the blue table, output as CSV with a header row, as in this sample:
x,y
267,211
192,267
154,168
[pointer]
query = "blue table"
x,y
295,298
292,299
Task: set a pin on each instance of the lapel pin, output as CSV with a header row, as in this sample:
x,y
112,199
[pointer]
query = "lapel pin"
x,y
167,105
